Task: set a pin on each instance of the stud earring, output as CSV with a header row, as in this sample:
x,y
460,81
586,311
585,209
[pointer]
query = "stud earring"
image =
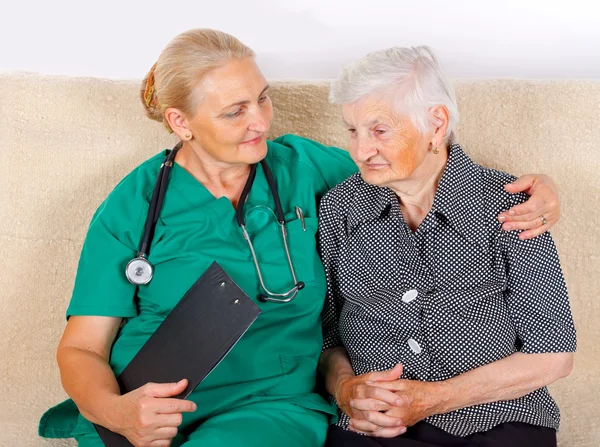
x,y
188,136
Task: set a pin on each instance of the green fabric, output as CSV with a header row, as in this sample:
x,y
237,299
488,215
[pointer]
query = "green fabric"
x,y
254,425
276,359
59,421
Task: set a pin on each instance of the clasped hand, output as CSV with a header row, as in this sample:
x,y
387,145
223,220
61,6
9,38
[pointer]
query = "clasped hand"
x,y
381,404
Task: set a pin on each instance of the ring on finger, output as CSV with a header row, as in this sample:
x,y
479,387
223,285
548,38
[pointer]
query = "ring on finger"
x,y
544,221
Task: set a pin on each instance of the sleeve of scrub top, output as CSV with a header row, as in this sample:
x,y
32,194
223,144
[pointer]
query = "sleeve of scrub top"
x,y
331,163
101,288
537,295
331,234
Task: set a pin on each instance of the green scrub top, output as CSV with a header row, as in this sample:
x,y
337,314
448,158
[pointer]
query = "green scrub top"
x,y
277,358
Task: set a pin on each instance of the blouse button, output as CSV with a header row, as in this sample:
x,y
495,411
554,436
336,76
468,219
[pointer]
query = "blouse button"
x,y
412,343
409,296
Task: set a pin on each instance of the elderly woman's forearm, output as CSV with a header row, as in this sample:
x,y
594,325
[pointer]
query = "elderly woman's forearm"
x,y
506,379
335,365
89,381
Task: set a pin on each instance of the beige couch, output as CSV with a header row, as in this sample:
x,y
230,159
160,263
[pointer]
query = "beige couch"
x,y
66,142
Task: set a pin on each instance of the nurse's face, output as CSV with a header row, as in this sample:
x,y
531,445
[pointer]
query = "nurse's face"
x,y
234,114
386,147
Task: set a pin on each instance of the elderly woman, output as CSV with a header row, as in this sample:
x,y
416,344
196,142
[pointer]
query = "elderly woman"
x,y
435,319
207,89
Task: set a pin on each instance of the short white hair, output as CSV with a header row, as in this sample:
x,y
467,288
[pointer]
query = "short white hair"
x,y
413,78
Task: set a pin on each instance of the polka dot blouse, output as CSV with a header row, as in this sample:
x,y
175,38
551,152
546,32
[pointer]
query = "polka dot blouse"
x,y
456,294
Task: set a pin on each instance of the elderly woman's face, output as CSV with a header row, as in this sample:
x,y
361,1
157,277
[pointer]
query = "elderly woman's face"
x,y
234,113
385,147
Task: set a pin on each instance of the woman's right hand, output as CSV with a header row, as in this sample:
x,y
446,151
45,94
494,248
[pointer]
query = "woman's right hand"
x,y
360,398
149,416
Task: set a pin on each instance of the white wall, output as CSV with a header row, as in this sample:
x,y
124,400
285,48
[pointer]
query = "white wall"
x,y
306,38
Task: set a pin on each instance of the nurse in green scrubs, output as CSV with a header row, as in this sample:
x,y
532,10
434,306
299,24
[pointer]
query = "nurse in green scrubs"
x,y
207,89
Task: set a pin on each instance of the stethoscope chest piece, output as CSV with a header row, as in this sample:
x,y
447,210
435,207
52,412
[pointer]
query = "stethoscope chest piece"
x,y
139,271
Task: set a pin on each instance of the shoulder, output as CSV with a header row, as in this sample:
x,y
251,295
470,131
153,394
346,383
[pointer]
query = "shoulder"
x,y
495,196
338,201
141,180
342,195
304,150
301,145
131,196
327,163
496,200
476,182
288,151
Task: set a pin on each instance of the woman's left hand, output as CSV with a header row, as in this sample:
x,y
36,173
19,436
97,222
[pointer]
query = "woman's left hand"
x,y
542,203
420,400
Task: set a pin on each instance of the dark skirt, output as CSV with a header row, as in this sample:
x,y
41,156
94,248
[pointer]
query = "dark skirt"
x,y
513,434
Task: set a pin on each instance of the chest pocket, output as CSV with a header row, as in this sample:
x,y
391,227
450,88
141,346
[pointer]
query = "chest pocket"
x,y
303,250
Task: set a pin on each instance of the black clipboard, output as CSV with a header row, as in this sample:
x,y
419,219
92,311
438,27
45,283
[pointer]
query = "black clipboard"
x,y
193,339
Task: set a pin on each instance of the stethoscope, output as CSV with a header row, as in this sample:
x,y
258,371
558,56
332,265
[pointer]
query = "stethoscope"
x,y
139,270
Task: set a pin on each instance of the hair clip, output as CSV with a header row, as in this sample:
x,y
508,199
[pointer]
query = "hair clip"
x,y
149,92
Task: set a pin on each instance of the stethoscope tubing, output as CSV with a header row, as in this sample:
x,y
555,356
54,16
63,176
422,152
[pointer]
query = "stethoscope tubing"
x,y
139,270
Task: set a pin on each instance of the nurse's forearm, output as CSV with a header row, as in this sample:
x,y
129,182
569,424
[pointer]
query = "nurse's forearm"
x,y
89,381
335,366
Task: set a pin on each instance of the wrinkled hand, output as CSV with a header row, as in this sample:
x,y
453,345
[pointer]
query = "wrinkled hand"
x,y
149,416
419,400
363,400
544,201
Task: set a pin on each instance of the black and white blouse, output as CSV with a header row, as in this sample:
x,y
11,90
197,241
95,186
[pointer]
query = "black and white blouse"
x,y
456,294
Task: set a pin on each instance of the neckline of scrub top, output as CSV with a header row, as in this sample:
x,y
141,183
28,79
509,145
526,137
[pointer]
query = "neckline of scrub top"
x,y
200,197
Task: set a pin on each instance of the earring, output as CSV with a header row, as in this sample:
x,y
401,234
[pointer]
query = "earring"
x,y
188,136
436,150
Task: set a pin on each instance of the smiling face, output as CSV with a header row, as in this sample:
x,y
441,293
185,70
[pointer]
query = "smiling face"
x,y
386,147
234,114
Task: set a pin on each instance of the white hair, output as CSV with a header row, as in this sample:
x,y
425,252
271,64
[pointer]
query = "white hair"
x,y
413,78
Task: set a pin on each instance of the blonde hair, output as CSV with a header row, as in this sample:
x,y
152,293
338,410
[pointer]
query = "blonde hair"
x,y
180,67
